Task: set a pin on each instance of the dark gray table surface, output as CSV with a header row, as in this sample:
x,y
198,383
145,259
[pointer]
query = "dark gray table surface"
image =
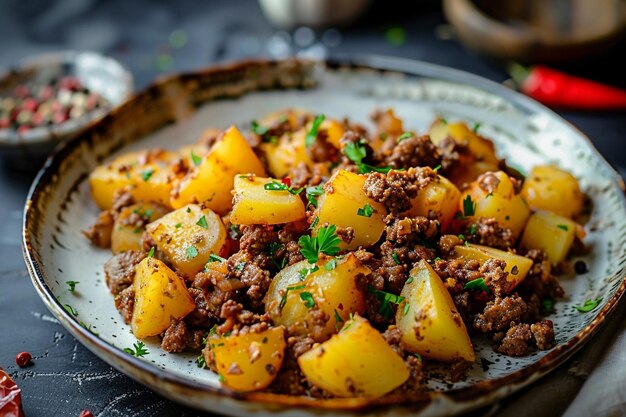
x,y
65,377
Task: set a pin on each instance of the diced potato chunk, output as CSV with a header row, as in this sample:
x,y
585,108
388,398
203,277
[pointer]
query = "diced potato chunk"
x,y
249,361
288,152
508,208
480,158
550,232
441,197
387,122
253,204
129,225
160,296
553,189
334,291
517,266
333,130
148,175
355,362
188,236
428,319
211,182
341,204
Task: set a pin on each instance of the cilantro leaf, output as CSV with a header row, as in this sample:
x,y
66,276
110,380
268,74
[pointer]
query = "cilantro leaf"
x,y
404,136
469,207
147,174
312,134
151,253
216,258
476,284
72,285
330,265
312,193
562,227
307,297
365,211
202,223
283,299
588,305
281,186
137,350
197,160
191,252
395,258
326,242
385,299
258,129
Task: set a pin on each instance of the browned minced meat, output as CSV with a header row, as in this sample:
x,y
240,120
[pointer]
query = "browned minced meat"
x,y
410,230
237,318
516,340
494,275
451,152
321,150
393,337
100,232
543,333
124,303
201,316
179,337
414,152
488,182
457,272
119,271
486,231
302,176
256,239
122,198
345,233
540,280
447,243
396,189
499,313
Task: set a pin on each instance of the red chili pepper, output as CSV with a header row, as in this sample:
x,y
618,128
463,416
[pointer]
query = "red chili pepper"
x,y
286,181
23,359
85,413
558,89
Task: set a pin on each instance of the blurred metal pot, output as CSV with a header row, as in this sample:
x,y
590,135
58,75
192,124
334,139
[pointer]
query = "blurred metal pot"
x,y
288,14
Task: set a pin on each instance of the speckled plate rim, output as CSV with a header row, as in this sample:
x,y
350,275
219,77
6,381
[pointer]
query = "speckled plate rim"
x,y
177,387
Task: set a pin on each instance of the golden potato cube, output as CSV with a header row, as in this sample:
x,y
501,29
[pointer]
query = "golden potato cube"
x,y
428,319
287,153
148,175
517,266
254,204
441,197
509,209
334,131
333,289
160,296
129,225
341,204
249,361
355,362
553,189
550,232
211,182
188,236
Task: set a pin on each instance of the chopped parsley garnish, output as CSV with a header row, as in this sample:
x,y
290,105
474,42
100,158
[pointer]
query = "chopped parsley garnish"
x,y
356,152
151,253
547,305
89,328
258,129
410,280
271,250
306,271
283,299
281,186
562,227
476,284
312,193
312,134
70,310
326,242
314,223
404,136
395,258
476,127
365,211
72,285
462,237
386,299
240,266
472,229
330,265
338,320
188,210
178,225
137,350
405,309
202,223
220,378
307,297
588,305
147,174
191,251
469,207
200,362
197,160
437,168
216,258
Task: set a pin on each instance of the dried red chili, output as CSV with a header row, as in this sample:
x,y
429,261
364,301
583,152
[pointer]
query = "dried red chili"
x,y
557,89
23,359
85,413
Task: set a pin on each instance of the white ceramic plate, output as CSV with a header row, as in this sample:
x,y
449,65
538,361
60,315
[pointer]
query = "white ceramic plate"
x,y
175,111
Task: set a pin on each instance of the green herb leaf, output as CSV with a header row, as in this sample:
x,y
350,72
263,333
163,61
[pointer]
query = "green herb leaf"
x,y
404,136
437,168
476,284
330,265
588,305
547,305
215,258
469,207
489,195
312,134
405,309
314,223
147,174
279,186
151,253
202,223
385,299
307,297
283,299
395,258
258,129
178,225
326,242
70,310
472,229
396,36
562,227
306,271
240,266
410,280
197,160
312,193
200,362
137,350
355,151
72,285
338,320
365,211
220,377
192,252
476,127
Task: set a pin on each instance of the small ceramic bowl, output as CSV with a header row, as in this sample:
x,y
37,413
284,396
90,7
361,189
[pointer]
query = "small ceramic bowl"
x,y
100,74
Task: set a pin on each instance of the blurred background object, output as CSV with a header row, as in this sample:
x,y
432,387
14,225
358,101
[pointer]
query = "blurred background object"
x,y
288,14
531,31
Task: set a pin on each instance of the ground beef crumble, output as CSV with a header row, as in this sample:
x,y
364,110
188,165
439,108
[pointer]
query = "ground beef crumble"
x,y
119,271
414,152
396,189
486,231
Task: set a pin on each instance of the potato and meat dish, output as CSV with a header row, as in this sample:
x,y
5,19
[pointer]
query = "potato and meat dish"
x,y
309,256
